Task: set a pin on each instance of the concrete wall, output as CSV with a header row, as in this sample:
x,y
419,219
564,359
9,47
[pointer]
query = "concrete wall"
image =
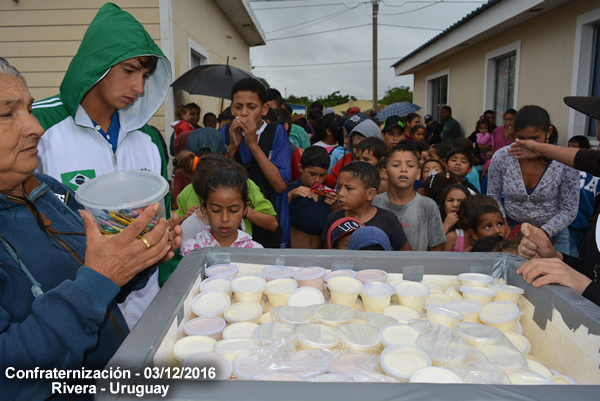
x,y
546,68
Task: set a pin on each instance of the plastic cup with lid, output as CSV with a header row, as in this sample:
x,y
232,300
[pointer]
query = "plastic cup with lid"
x,y
340,273
438,299
435,285
397,334
528,378
277,272
358,306
401,361
229,348
240,330
393,284
316,336
305,296
476,279
412,294
210,304
248,288
265,318
478,334
223,368
333,315
344,290
217,284
539,369
311,277
476,293
502,315
192,344
376,296
359,337
116,199
371,275
279,290
443,316
403,314
205,326
562,379
520,342
435,374
225,270
505,292
269,333
470,309
452,293
243,312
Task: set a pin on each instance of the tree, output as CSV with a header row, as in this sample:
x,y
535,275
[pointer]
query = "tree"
x,y
398,94
264,81
336,98
302,100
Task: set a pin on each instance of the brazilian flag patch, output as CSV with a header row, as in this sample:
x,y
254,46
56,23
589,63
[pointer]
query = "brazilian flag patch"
x,y
75,179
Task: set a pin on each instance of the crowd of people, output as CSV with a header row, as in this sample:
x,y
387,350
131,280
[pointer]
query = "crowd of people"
x,y
266,177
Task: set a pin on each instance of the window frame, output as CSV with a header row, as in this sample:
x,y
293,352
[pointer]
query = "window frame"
x,y
490,73
194,47
429,108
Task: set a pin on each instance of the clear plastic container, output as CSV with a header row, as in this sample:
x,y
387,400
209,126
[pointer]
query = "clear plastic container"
x,y
502,315
311,277
265,318
316,336
539,369
401,361
305,296
294,314
505,292
443,316
562,379
205,326
240,330
452,293
478,334
243,312
192,344
334,315
116,199
412,294
403,314
470,309
344,290
520,342
476,279
210,304
269,333
376,296
340,273
476,293
276,272
248,288
376,320
279,290
435,374
223,368
438,299
217,284
231,347
435,285
226,270
399,334
359,337
371,275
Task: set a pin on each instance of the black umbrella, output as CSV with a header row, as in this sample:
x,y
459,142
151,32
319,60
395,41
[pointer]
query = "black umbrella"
x,y
211,80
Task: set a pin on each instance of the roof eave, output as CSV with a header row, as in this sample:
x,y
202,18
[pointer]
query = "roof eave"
x,y
244,21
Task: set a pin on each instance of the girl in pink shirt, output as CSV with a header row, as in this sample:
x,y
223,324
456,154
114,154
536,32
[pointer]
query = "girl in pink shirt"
x,y
505,134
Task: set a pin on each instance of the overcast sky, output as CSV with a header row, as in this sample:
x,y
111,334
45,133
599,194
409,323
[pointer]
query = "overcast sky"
x,y
347,48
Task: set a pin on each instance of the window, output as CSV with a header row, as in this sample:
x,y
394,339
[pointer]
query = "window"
x,y
501,88
438,93
595,79
198,55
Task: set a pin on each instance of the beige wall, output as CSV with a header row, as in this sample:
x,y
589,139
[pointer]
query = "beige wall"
x,y
546,68
204,22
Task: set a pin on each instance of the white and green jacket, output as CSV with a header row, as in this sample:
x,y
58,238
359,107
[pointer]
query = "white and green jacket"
x,y
71,150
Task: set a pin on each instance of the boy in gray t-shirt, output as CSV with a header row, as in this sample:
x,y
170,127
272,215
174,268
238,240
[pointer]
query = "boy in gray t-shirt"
x,y
419,215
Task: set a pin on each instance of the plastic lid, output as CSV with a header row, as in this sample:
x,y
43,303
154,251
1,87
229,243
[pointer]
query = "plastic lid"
x,y
281,286
248,284
333,314
204,326
464,306
190,345
223,367
528,378
216,284
435,286
234,345
222,270
562,379
305,296
520,342
477,333
438,299
307,363
452,293
401,361
499,312
243,312
210,303
122,190
340,273
240,330
294,314
317,335
276,331
539,369
403,314
265,318
309,273
376,320
507,288
276,271
475,278
345,285
396,334
370,275
519,329
475,290
434,374
358,335
412,289
440,310
377,290
505,357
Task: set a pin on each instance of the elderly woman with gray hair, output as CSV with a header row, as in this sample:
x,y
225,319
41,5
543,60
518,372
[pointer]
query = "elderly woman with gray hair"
x,y
60,278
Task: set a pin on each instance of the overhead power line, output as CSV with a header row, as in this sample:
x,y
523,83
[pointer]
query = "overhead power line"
x,y
319,64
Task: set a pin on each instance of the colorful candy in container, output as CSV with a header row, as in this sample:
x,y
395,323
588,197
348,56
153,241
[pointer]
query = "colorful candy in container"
x,y
116,199
434,335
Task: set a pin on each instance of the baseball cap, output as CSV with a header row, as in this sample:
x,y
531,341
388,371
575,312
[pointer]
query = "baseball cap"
x,y
341,228
366,236
393,121
328,110
206,137
353,110
588,105
428,118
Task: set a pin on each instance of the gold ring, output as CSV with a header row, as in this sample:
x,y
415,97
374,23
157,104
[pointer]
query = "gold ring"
x,y
145,242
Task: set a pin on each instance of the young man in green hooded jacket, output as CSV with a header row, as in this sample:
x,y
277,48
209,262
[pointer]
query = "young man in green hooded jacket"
x,y
97,125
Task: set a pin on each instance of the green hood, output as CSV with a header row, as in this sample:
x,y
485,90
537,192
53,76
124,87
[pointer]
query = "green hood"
x,y
113,36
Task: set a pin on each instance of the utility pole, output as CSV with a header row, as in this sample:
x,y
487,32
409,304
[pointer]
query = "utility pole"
x,y
375,12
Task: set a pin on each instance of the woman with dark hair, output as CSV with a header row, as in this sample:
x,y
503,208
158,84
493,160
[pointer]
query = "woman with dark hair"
x,y
504,134
537,190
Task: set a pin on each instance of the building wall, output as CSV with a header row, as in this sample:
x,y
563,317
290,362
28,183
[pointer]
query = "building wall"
x,y
204,22
40,37
546,68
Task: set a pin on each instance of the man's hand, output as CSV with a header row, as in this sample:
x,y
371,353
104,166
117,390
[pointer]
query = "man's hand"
x,y
300,191
249,127
190,212
174,231
330,198
525,149
122,256
235,136
536,244
553,271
